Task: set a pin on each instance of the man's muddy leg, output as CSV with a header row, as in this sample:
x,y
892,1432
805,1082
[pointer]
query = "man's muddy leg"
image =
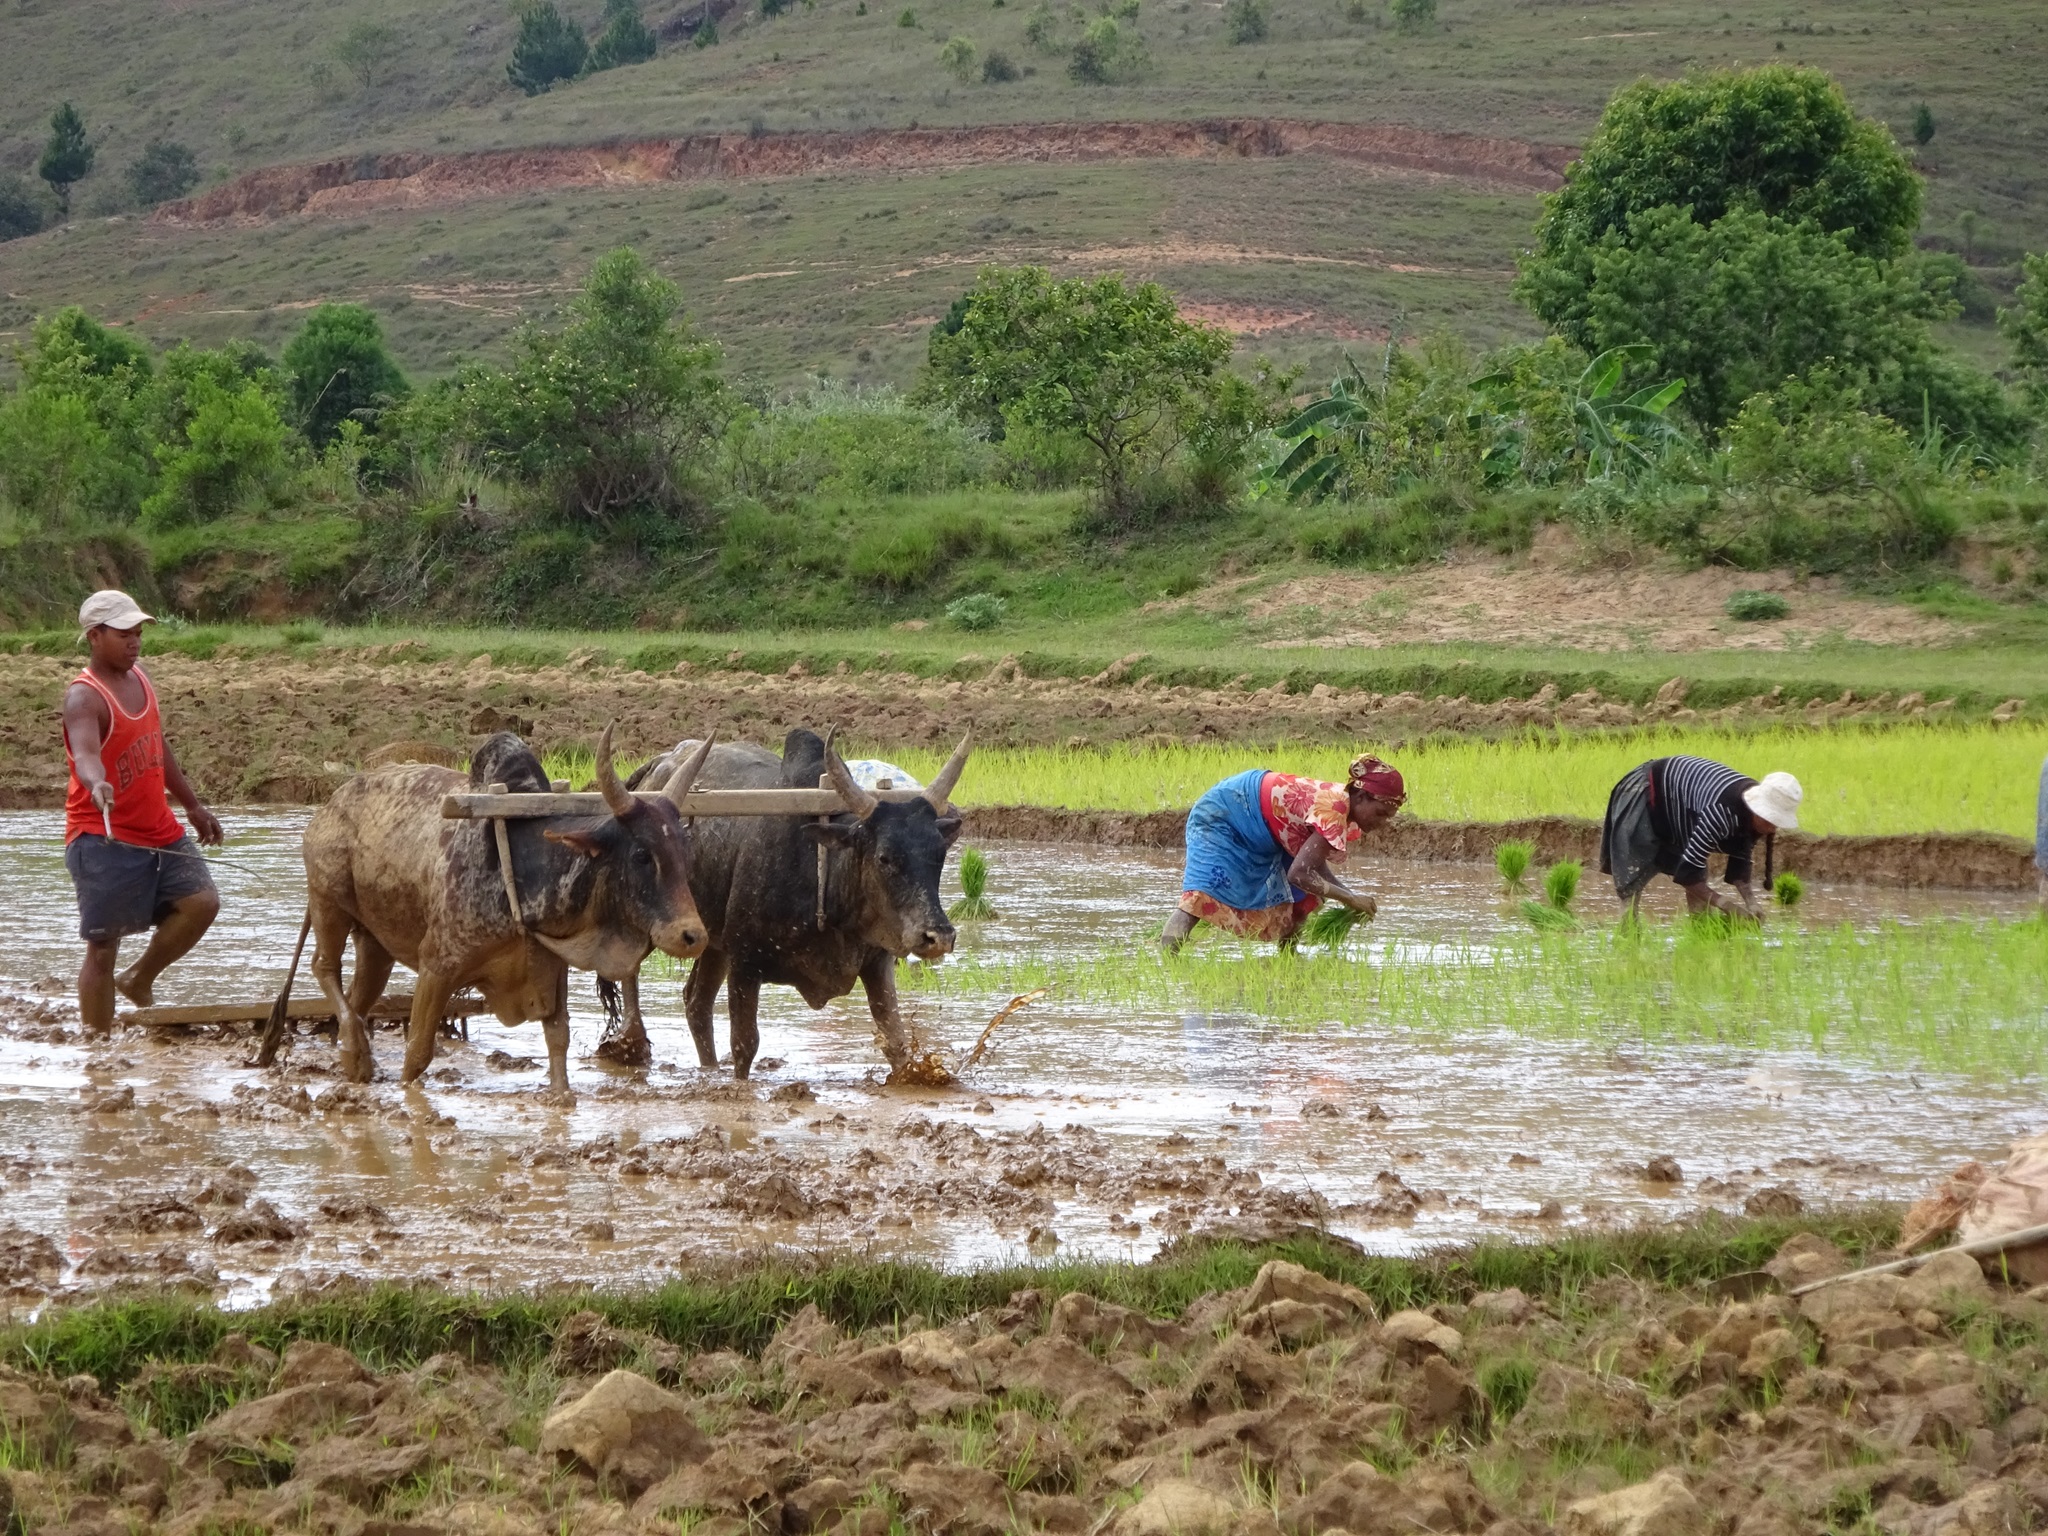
x,y
878,980
331,930
700,1000
96,985
630,1047
183,926
742,1002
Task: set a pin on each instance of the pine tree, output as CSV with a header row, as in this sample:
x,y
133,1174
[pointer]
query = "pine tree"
x,y
68,156
549,49
626,39
1923,125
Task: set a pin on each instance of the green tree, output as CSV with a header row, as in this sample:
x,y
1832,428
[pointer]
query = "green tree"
x,y
229,443
626,39
366,50
165,169
338,369
1780,141
19,213
1095,358
605,413
1247,21
1412,15
1107,53
1923,126
67,156
74,441
549,48
958,55
2025,325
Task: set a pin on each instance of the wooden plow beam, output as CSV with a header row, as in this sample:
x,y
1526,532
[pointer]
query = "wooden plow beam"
x,y
199,1015
498,803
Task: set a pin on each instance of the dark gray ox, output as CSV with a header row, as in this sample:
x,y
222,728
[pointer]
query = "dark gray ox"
x,y
756,883
595,892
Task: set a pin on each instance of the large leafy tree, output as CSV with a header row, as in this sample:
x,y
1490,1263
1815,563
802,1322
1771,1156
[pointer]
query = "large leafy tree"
x,y
604,413
67,156
338,368
549,48
1780,141
1100,359
2026,324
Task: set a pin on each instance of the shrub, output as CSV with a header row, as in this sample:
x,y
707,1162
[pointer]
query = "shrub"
x,y
548,48
233,441
1751,607
162,171
836,439
1042,30
1107,53
706,35
997,68
339,369
1413,14
976,611
1247,21
626,39
906,17
367,47
958,55
902,557
19,213
1812,434
1923,125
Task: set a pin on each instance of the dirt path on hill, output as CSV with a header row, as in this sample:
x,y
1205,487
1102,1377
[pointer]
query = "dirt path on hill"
x,y
414,179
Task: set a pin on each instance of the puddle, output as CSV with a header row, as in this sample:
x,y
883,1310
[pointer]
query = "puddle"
x,y
1110,1130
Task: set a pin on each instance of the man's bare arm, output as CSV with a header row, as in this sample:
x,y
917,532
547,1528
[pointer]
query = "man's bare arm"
x,y
85,730
204,822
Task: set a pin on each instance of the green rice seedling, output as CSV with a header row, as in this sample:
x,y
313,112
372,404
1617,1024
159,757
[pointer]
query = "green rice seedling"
x,y
1327,926
973,905
1512,859
1548,919
1787,889
1561,883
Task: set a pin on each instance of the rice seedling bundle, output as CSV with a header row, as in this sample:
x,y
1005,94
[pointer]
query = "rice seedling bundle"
x,y
973,905
1512,860
1787,889
1327,926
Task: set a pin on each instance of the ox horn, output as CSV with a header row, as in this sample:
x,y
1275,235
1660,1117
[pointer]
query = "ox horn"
x,y
681,779
858,800
616,796
940,791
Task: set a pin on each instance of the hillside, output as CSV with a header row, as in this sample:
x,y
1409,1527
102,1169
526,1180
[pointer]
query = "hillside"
x,y
841,267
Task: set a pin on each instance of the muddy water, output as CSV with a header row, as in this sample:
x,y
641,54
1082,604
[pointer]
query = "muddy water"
x,y
1098,1131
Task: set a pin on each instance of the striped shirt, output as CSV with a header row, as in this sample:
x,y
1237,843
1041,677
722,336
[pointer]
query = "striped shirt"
x,y
1697,807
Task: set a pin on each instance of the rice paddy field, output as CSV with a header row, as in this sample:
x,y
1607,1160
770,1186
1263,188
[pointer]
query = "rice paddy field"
x,y
1858,780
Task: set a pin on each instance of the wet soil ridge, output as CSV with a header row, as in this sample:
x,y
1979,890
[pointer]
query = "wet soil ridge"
x,y
1292,1406
413,179
1983,861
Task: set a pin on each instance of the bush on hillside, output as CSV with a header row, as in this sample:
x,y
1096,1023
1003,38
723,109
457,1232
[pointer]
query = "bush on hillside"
x,y
997,68
625,38
1108,52
958,56
366,51
2025,326
20,214
1412,15
1247,21
839,440
340,370
164,170
1811,434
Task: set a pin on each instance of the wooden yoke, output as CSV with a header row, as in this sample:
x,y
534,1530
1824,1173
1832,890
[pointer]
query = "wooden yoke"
x,y
824,801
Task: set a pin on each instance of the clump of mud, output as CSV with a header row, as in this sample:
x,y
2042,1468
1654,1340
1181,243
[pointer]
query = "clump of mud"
x,y
1292,1405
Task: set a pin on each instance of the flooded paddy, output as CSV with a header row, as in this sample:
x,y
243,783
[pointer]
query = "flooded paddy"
x,y
1101,1121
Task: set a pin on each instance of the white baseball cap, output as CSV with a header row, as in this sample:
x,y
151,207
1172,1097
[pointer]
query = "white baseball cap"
x,y
114,608
1776,798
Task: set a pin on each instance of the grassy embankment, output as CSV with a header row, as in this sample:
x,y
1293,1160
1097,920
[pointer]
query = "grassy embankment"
x,y
1858,780
740,1308
857,265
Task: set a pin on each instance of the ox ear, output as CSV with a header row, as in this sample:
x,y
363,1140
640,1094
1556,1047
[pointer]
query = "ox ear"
x,y
582,842
839,834
949,829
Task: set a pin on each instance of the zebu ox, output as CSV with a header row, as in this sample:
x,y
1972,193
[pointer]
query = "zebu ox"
x,y
756,883
597,893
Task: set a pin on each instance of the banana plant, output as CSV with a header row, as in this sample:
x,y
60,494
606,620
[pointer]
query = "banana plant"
x,y
1325,428
1614,433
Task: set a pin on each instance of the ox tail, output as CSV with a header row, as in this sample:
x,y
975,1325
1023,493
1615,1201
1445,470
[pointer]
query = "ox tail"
x,y
280,1011
613,999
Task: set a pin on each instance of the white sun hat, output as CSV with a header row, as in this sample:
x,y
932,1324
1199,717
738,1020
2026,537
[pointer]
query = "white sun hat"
x,y
114,608
1776,799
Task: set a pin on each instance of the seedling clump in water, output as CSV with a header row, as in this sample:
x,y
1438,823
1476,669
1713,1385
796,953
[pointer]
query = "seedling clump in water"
x,y
1512,859
973,905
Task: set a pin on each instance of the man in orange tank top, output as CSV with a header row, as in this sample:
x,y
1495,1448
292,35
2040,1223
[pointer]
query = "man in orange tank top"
x,y
131,863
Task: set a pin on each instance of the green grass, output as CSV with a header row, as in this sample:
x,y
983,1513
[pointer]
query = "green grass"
x,y
248,85
390,1326
1857,779
1837,991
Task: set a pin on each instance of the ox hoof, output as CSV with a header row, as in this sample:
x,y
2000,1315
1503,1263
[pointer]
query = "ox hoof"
x,y
625,1051
558,1098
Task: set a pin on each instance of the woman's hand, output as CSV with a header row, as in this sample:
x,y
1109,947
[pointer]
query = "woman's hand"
x,y
1358,901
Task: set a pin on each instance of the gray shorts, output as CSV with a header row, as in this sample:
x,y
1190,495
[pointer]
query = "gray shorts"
x,y
123,889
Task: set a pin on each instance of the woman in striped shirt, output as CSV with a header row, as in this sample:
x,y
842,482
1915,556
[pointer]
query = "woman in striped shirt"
x,y
1667,816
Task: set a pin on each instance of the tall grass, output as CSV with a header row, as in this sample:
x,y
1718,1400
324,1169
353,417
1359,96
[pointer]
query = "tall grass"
x,y
1857,779
1859,993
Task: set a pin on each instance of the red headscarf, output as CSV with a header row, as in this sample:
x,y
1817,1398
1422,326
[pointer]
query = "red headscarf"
x,y
1375,778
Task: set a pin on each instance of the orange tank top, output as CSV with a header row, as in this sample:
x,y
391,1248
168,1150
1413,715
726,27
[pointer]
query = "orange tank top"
x,y
132,752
